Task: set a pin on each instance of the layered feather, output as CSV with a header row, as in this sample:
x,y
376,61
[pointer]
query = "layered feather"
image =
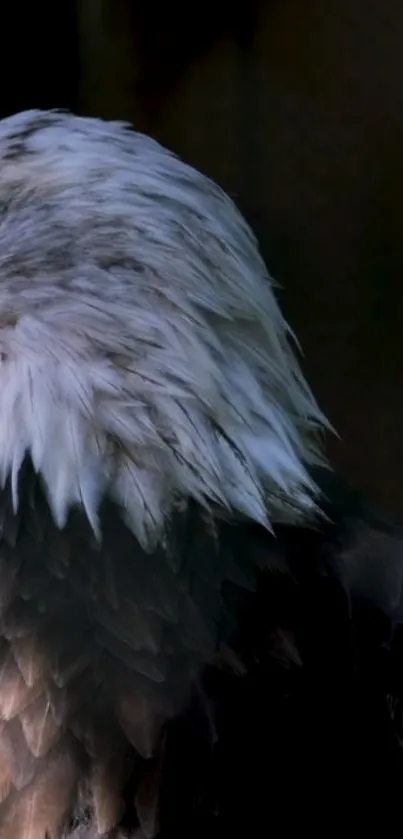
x,y
142,350
145,369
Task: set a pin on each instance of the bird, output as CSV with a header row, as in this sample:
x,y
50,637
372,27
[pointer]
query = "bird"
x,y
200,624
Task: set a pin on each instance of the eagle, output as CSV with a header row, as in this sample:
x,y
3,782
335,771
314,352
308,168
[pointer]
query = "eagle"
x,y
200,625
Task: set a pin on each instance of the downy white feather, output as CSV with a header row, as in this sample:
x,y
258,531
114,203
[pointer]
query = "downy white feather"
x,y
143,352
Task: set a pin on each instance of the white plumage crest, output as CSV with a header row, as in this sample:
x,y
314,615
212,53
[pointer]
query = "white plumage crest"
x,y
143,353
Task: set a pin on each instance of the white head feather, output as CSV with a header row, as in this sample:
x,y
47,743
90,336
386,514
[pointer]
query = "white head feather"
x,y
142,350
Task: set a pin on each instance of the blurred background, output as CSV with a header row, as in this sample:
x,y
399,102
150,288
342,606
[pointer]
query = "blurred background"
x,y
296,109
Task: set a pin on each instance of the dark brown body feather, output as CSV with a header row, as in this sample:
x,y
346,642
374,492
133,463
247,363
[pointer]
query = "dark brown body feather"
x,y
101,644
164,693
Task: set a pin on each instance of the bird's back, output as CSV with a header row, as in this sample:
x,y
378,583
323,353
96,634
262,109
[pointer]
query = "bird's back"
x,y
167,664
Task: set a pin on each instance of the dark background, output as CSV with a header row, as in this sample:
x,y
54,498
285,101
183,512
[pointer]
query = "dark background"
x,y
296,108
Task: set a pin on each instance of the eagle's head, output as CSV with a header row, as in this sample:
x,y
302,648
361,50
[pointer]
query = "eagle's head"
x,y
142,350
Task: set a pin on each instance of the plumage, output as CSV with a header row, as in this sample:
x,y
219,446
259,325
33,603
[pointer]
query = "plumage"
x,y
194,633
157,357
